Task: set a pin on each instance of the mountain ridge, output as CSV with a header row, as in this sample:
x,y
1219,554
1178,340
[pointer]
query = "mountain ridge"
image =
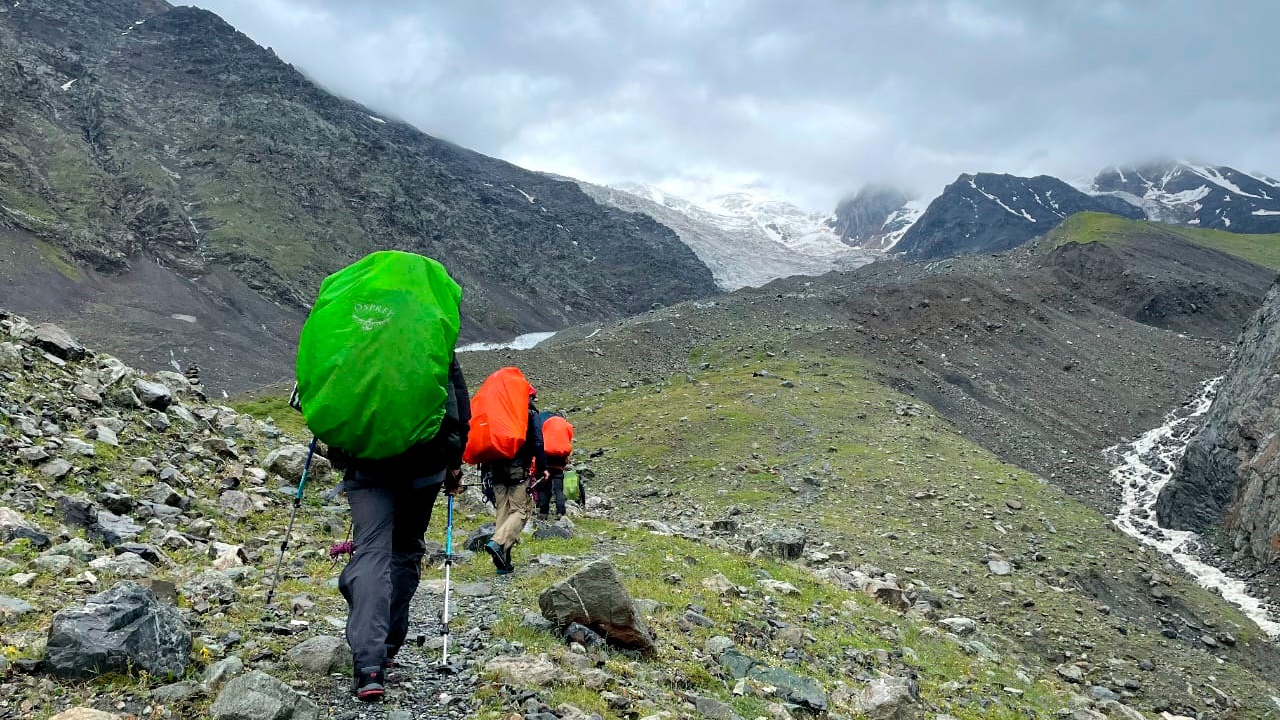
x,y
137,132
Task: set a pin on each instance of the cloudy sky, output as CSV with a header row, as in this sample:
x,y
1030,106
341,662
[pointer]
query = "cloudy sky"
x,y
807,100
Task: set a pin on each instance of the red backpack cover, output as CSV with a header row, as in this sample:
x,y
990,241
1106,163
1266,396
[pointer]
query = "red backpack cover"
x,y
499,417
557,437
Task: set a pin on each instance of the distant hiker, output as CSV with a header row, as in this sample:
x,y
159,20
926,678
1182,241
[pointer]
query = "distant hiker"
x,y
506,443
557,442
378,382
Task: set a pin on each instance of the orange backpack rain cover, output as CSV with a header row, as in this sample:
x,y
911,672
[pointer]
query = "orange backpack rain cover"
x,y
499,417
557,436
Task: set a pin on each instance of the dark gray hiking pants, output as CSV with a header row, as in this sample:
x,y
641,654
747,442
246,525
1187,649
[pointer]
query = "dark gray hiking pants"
x,y
551,488
382,575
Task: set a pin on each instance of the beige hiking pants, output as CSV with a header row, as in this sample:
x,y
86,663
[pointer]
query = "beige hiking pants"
x,y
513,506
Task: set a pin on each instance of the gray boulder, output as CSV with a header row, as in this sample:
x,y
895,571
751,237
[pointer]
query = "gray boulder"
x,y
322,655
14,527
258,696
796,689
58,342
595,597
12,608
124,629
152,394
211,585
784,544
890,699
477,538
288,462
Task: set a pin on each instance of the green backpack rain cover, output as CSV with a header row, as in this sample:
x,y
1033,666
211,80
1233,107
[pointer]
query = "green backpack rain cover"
x,y
374,354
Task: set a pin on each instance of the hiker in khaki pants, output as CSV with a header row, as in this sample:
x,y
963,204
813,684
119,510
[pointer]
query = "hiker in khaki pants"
x,y
511,499
513,506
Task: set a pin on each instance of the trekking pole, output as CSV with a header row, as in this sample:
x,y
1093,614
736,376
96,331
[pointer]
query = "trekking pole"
x,y
448,566
297,502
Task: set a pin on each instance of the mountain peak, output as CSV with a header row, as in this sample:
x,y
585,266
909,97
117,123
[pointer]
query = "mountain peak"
x,y
992,212
1188,193
876,217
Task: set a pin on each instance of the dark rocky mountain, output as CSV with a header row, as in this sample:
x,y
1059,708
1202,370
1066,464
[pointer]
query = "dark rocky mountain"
x,y
876,218
1229,476
989,213
1219,197
168,186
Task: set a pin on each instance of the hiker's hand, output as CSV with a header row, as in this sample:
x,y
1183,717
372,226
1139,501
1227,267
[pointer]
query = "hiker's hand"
x,y
546,475
453,481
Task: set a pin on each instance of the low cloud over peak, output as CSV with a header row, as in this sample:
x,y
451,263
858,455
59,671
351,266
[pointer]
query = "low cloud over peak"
x,y
811,99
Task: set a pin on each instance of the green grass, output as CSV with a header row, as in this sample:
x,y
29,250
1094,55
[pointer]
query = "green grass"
x,y
275,407
1090,227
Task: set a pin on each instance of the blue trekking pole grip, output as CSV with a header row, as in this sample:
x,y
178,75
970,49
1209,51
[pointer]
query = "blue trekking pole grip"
x,y
293,515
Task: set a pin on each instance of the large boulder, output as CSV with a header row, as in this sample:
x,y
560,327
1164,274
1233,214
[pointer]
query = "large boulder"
x,y
214,586
321,655
14,527
56,341
893,698
124,629
289,461
782,543
258,696
153,394
594,596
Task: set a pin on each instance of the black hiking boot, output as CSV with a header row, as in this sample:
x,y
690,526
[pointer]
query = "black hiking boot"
x,y
370,684
501,557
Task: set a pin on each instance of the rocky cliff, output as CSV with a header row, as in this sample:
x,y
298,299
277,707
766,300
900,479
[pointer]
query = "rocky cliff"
x,y
134,133
1230,476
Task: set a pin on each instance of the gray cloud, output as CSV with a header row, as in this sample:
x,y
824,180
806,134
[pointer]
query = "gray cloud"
x,y
811,99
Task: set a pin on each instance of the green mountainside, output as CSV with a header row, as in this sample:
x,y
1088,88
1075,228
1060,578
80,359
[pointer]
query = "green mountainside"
x,y
1091,227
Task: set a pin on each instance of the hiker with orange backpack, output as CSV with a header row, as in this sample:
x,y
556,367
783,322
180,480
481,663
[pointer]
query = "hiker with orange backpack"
x,y
557,442
505,442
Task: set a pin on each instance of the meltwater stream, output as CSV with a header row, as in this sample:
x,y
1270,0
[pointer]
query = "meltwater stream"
x,y
1142,468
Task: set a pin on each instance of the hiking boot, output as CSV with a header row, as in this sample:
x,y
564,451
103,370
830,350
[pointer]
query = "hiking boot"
x,y
542,517
501,557
370,684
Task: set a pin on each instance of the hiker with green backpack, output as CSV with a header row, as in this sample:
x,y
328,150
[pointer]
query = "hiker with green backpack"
x,y
379,384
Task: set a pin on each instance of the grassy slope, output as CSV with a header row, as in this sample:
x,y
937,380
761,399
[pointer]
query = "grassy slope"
x,y
1100,227
905,493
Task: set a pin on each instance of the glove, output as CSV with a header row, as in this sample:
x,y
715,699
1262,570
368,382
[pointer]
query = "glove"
x,y
453,481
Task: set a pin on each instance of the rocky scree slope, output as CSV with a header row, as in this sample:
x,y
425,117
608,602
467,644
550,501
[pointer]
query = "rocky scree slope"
x,y
788,443
1226,481
136,133
103,488
1042,368
987,212
1204,196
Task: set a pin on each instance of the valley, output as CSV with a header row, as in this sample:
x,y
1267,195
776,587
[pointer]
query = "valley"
x,y
1005,451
